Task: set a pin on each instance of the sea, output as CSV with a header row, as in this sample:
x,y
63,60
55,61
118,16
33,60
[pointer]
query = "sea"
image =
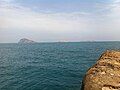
x,y
48,66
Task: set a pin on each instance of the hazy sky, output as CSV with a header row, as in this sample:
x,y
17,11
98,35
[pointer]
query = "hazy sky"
x,y
59,20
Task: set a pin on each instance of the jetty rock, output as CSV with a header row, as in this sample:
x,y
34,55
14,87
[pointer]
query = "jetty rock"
x,y
105,74
25,41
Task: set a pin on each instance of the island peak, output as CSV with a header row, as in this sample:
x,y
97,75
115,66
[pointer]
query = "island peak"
x,y
25,40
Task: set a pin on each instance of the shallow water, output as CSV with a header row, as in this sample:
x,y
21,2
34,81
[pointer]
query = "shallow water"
x,y
48,66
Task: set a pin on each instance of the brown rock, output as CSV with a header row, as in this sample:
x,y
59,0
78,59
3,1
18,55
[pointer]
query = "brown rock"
x,y
105,74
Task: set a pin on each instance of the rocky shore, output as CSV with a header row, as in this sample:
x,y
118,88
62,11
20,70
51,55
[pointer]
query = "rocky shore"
x,y
105,74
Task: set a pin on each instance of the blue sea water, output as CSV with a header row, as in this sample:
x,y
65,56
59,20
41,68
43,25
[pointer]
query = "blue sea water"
x,y
48,66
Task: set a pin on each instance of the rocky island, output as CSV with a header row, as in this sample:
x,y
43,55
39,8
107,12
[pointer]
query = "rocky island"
x,y
25,41
105,74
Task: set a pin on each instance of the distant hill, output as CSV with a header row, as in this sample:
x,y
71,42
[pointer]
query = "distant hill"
x,y
25,40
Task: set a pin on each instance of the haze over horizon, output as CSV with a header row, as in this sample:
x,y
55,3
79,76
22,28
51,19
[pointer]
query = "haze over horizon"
x,y
59,20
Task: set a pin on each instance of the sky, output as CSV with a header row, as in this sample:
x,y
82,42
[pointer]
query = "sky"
x,y
59,20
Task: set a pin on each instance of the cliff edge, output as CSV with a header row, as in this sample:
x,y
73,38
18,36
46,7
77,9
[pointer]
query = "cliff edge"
x,y
105,74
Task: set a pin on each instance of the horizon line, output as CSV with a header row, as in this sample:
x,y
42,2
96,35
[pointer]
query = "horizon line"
x,y
64,41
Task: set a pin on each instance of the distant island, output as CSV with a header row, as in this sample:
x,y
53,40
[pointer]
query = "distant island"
x,y
25,41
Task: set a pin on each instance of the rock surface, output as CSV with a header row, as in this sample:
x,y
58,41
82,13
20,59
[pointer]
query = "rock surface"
x,y
24,40
105,74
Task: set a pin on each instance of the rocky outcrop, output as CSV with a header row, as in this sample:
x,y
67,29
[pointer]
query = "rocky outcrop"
x,y
105,74
24,40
